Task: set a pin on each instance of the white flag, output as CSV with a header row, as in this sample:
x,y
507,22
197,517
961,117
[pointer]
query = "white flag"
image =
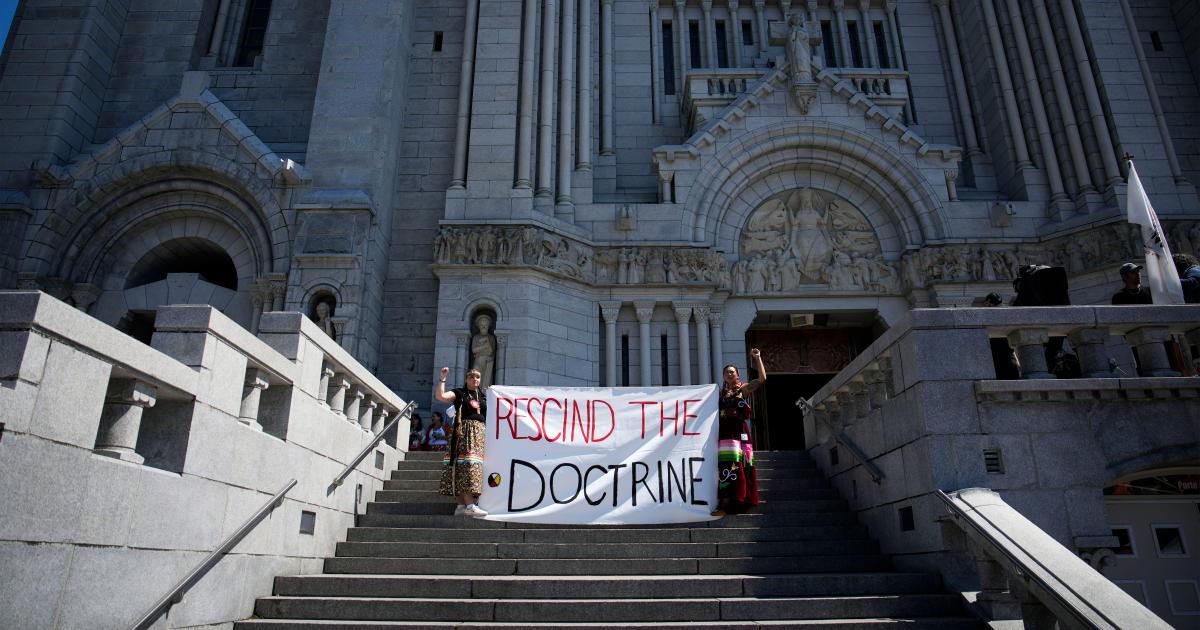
x,y
1160,269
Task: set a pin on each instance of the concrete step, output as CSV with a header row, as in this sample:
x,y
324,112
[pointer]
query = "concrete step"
x,y
430,494
423,456
638,566
442,505
591,610
926,623
447,519
604,551
605,535
414,476
612,587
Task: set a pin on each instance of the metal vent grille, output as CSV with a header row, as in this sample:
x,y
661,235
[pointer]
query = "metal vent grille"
x,y
992,461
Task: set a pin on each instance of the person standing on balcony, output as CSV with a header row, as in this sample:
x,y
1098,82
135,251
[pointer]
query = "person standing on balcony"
x,y
1132,292
737,484
462,475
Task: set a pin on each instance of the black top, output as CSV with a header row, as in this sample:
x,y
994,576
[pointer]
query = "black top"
x,y
1141,295
471,405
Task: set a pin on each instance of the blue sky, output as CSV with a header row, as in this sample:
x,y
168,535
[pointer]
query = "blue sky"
x,y
7,7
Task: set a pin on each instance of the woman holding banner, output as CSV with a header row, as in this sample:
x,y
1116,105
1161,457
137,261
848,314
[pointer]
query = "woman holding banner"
x,y
737,485
462,475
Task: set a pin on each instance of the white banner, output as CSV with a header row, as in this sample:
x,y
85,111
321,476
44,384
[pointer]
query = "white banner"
x,y
1160,268
600,455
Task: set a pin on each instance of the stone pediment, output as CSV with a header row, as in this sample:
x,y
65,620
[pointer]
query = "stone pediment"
x,y
195,119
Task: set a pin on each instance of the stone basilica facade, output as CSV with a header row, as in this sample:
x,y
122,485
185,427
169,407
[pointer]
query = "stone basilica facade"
x,y
623,186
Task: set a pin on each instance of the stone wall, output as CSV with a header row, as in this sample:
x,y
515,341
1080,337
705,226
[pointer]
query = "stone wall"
x,y
101,518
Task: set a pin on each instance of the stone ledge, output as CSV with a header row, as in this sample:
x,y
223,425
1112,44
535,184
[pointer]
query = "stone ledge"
x,y
1087,389
199,318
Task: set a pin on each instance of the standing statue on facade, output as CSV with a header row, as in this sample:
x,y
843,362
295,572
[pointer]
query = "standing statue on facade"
x,y
798,50
483,349
323,315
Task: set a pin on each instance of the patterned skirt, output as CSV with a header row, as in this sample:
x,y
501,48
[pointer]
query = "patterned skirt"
x,y
467,475
737,483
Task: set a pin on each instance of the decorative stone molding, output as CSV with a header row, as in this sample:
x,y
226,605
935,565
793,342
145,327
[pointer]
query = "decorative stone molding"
x,y
1087,389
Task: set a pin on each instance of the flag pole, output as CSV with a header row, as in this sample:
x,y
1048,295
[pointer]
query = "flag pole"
x,y
1160,268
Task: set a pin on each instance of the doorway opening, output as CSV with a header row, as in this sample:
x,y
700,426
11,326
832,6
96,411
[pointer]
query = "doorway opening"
x,y
801,352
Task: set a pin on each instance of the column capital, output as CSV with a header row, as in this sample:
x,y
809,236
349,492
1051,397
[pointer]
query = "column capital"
x,y
759,5
683,314
701,314
644,311
327,372
358,393
706,5
716,315
257,379
340,381
838,5
665,176
864,6
733,5
131,392
680,4
609,311
890,5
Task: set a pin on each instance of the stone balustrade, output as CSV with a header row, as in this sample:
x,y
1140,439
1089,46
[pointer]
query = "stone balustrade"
x,y
118,453
708,90
888,88
923,405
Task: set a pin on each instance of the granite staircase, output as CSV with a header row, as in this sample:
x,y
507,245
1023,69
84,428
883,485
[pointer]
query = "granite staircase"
x,y
800,560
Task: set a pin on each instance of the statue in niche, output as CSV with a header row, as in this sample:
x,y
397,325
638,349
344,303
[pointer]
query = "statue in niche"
x,y
808,239
323,316
483,349
799,51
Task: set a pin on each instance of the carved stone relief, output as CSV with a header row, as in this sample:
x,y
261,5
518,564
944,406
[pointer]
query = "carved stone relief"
x,y
810,237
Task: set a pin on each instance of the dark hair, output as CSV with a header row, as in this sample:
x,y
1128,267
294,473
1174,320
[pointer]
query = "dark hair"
x,y
438,415
993,298
1183,262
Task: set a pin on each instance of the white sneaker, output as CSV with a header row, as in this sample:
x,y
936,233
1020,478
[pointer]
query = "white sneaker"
x,y
475,511
460,510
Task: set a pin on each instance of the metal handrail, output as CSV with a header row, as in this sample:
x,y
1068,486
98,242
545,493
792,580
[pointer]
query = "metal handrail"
x,y
176,594
840,437
406,411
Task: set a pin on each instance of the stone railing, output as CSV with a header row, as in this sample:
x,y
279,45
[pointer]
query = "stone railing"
x,y
708,90
119,454
923,406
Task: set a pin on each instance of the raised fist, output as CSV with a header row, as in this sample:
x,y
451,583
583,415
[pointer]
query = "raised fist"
x,y
445,372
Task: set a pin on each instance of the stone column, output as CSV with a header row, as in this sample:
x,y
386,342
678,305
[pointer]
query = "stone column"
x,y
606,75
1063,97
735,29
760,25
656,71
876,387
704,370
681,44
256,310
545,174
465,82
1090,346
1083,68
460,355
218,36
1151,353
709,51
367,413
1058,196
256,382
610,311
965,115
523,178
564,204
644,311
501,357
337,397
718,341
1031,353
381,419
353,402
323,388
894,31
122,418
868,32
583,131
664,186
1012,114
845,59
683,315
84,295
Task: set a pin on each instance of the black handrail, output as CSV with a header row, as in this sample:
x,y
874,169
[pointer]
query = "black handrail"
x,y
840,437
176,594
337,481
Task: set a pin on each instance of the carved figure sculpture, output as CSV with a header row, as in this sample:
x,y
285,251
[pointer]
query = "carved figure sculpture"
x,y
798,49
324,318
809,242
483,349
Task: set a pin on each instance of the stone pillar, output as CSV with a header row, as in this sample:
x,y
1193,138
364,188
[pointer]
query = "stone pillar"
x,y
1063,97
323,388
544,193
718,340
256,382
868,32
353,402
606,75
656,71
460,355
683,315
704,369
501,357
564,203
839,14
709,51
610,311
1151,353
256,310
1012,115
760,25
337,397
466,81
876,387
681,44
664,186
214,44
965,115
1058,196
381,419
122,418
644,311
894,31
583,131
1031,353
523,176
1083,69
367,413
1090,346
951,175
735,29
